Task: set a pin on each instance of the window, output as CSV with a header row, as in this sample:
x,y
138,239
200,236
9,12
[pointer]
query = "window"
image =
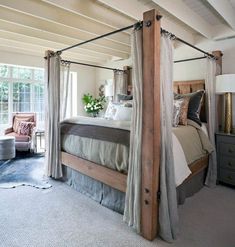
x,y
21,90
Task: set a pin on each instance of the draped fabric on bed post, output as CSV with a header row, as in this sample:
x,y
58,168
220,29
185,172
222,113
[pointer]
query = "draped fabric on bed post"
x,y
53,111
168,212
133,192
211,118
120,81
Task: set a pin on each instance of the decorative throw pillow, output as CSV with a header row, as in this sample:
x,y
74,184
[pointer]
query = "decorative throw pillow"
x,y
111,110
127,103
194,106
124,97
123,113
176,111
25,128
18,119
184,111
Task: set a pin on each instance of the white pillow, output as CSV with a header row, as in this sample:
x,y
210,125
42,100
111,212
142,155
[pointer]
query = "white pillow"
x,y
123,113
111,110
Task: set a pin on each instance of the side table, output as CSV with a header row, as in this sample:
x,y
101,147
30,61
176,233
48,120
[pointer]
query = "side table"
x,y
38,134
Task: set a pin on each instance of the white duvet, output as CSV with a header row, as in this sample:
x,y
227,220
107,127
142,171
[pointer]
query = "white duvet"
x,y
181,168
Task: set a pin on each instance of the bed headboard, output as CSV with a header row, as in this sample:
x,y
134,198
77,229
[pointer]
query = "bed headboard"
x,y
183,87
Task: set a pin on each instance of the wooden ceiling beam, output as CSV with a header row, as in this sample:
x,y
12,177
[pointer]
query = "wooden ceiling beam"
x,y
41,25
54,14
226,10
63,40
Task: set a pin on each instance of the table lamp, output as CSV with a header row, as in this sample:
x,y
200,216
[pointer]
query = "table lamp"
x,y
225,84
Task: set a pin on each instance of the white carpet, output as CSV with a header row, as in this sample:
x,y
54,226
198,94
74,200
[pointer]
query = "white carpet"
x,y
61,217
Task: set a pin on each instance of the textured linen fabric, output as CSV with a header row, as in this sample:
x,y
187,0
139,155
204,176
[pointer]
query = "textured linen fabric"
x,y
211,119
184,112
168,212
55,110
133,193
176,111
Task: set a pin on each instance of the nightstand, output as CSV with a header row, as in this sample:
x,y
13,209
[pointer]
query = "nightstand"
x,y
225,145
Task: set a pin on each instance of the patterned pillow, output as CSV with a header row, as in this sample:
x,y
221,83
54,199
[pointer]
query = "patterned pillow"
x,y
25,128
111,110
18,119
176,111
184,111
195,104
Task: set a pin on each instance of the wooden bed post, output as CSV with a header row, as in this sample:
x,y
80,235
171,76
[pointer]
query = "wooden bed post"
x,y
151,124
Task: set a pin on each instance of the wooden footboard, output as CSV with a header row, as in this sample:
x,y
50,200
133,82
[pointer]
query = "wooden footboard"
x,y
115,179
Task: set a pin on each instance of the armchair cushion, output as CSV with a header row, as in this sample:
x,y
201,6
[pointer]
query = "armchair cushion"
x,y
8,130
19,138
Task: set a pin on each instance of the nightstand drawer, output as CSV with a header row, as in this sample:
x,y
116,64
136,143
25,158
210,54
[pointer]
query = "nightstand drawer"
x,y
227,149
227,162
227,176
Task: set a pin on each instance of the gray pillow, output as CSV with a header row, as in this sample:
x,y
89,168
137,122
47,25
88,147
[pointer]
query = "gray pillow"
x,y
194,106
124,97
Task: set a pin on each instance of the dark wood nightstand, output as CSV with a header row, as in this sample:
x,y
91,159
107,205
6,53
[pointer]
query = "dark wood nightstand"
x,y
225,145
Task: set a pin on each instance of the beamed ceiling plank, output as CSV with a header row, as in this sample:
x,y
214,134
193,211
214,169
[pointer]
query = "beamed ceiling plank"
x,y
94,11
36,48
54,14
47,26
64,41
226,10
181,11
45,43
135,10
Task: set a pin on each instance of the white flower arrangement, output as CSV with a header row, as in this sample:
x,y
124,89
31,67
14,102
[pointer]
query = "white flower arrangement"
x,y
93,105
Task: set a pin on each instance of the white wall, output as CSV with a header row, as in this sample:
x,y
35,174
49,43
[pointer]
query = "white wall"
x,y
86,76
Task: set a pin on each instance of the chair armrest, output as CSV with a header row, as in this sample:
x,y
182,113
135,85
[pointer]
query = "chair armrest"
x,y
8,130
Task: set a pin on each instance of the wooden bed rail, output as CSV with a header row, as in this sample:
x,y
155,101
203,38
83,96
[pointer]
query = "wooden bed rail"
x,y
110,177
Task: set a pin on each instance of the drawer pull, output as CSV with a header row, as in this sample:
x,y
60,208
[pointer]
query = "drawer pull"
x,y
230,150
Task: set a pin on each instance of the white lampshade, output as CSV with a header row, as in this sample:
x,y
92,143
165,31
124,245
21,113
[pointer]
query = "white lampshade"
x,y
108,90
225,83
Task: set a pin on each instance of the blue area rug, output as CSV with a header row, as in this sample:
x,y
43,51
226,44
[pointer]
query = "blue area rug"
x,y
24,169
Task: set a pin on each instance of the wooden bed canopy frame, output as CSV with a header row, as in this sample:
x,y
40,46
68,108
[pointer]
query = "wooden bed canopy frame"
x,y
150,132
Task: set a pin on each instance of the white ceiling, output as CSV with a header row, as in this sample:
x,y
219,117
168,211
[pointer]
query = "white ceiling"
x,y
33,26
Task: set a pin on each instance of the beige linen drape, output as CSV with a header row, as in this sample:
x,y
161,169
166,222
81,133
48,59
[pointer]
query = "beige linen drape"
x,y
119,83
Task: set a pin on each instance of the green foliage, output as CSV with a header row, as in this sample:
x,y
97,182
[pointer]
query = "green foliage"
x,y
93,105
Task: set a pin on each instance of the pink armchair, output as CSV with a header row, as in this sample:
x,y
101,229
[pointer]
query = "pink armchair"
x,y
22,129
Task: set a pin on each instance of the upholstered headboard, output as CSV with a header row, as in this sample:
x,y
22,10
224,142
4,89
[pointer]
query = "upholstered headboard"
x,y
183,87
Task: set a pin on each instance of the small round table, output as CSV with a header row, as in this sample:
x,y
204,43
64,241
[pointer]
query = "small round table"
x,y
7,147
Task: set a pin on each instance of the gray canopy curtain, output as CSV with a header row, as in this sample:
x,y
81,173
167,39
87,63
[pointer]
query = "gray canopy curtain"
x,y
119,83
56,86
211,71
168,214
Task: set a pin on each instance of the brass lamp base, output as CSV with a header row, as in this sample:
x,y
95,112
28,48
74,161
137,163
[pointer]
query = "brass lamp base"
x,y
228,125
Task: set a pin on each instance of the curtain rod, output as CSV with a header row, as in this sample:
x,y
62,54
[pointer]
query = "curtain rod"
x,y
189,59
90,65
102,36
138,25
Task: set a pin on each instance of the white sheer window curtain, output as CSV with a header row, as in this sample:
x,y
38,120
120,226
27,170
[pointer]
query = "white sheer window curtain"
x,y
168,212
56,82
211,70
119,83
133,193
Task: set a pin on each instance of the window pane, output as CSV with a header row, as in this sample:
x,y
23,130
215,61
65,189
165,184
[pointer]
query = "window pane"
x,y
21,97
38,74
38,101
21,73
4,71
4,93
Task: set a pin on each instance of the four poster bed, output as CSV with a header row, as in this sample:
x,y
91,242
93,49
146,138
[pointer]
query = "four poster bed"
x,y
116,177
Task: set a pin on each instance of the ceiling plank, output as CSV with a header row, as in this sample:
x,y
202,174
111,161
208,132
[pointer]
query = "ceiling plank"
x,y
181,11
94,11
135,10
41,49
226,10
47,26
66,41
54,14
